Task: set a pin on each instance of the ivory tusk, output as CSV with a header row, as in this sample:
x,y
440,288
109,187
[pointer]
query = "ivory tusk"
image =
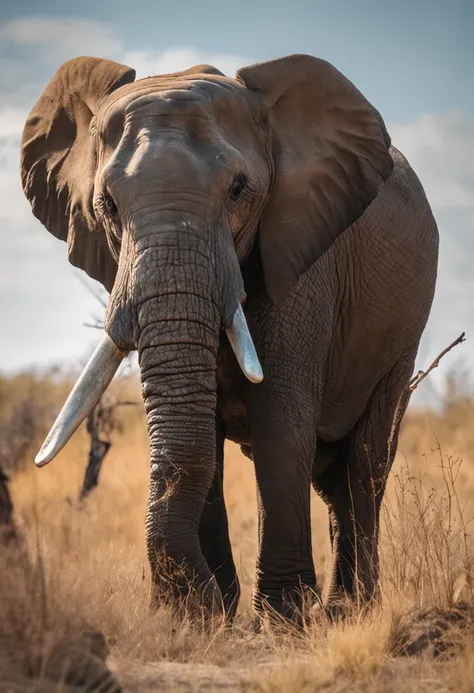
x,y
91,385
244,348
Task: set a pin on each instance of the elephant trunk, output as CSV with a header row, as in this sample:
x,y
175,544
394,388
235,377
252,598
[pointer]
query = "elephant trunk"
x,y
188,286
178,371
180,301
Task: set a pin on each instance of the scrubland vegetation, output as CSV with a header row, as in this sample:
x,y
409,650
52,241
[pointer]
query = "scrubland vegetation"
x,y
77,570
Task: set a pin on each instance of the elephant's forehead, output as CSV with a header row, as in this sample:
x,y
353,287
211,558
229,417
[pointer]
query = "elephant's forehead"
x,y
201,96
192,101
201,102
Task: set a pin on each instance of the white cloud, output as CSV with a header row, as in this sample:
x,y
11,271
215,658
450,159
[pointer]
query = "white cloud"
x,y
62,38
14,209
147,63
440,147
12,119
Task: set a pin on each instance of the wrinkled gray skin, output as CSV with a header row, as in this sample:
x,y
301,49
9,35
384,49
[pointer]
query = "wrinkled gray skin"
x,y
280,186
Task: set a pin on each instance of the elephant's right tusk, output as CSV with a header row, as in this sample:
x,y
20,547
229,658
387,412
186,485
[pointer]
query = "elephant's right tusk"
x,y
244,348
91,385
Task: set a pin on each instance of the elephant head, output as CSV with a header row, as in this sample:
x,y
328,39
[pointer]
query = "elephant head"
x,y
161,187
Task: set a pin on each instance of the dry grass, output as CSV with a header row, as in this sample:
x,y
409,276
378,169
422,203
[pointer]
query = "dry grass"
x,y
87,569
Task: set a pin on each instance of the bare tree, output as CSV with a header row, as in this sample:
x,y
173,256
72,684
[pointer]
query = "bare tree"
x,y
103,421
8,531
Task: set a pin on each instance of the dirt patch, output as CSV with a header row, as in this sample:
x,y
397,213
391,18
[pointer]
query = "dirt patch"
x,y
183,678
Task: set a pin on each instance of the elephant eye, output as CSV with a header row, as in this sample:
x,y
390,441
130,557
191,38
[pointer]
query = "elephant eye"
x,y
238,187
110,206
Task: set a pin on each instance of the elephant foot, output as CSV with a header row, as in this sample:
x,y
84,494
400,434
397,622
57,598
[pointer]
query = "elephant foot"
x,y
201,604
230,603
229,586
342,606
294,611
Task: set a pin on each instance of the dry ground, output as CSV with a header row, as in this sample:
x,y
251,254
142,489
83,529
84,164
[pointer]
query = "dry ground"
x,y
86,569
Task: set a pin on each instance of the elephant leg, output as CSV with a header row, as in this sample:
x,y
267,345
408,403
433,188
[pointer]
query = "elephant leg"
x,y
354,507
214,534
354,486
285,568
325,474
354,523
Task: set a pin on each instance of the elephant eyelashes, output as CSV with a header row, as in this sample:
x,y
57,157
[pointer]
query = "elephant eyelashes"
x,y
238,188
107,209
106,206
110,206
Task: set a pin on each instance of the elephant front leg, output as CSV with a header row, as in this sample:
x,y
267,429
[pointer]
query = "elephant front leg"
x,y
283,455
214,534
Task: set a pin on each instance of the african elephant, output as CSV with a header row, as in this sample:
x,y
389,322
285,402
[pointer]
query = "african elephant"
x,y
212,209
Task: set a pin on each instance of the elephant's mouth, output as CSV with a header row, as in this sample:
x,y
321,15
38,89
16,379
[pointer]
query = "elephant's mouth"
x,y
101,368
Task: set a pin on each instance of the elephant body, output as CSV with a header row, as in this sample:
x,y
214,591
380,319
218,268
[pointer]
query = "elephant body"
x,y
193,194
362,308
337,358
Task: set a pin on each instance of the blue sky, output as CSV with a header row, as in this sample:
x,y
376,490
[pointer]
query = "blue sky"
x,y
413,60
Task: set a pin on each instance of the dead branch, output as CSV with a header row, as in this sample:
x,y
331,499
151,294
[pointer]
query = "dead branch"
x,y
407,392
97,325
8,530
96,293
421,375
101,423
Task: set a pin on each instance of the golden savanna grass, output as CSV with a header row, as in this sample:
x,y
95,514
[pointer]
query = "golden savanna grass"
x,y
86,569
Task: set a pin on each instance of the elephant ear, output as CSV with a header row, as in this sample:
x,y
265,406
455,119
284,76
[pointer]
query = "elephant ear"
x,y
59,160
331,154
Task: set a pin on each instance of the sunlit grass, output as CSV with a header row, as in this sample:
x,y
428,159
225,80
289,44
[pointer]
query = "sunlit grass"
x,y
87,566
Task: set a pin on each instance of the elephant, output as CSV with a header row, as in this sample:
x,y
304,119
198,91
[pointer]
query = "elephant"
x,y
273,259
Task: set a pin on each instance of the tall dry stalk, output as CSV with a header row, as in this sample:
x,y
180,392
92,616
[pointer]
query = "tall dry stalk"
x,y
426,549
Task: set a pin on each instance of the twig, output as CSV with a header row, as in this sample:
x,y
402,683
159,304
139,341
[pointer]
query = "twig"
x,y
421,375
96,326
92,291
408,391
125,404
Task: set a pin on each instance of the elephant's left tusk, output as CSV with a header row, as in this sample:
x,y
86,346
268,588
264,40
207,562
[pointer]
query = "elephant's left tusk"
x,y
93,382
244,348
